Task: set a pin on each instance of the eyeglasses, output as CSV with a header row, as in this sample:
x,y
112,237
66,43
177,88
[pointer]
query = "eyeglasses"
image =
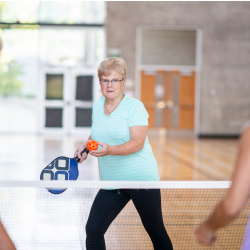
x,y
114,81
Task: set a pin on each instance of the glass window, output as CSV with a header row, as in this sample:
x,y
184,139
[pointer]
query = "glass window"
x,y
83,117
84,88
29,49
71,47
56,12
63,47
19,63
99,48
23,12
71,12
54,87
19,75
54,118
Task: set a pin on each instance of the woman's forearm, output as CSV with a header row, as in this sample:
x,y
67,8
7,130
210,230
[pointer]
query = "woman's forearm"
x,y
126,148
137,138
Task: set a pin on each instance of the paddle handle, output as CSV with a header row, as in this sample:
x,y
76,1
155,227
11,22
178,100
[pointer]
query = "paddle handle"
x,y
85,150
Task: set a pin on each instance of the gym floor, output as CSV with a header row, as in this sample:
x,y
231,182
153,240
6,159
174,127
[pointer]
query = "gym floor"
x,y
22,157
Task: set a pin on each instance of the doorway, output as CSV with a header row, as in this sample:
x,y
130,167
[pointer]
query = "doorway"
x,y
169,97
168,76
66,99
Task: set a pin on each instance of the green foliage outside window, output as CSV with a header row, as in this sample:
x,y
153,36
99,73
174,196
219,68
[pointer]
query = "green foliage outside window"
x,y
10,85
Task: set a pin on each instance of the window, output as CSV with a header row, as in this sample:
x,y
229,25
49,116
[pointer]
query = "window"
x,y
44,34
54,12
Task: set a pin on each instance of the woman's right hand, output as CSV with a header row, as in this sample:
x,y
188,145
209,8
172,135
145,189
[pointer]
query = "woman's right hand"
x,y
84,155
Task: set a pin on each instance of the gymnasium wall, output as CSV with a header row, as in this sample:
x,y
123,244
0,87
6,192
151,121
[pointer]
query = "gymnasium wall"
x,y
225,55
168,47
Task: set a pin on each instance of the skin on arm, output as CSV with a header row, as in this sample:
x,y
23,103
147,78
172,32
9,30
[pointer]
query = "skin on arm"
x,y
84,156
5,241
235,199
137,138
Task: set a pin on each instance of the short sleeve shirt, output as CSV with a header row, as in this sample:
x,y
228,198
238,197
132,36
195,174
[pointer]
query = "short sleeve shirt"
x,y
114,130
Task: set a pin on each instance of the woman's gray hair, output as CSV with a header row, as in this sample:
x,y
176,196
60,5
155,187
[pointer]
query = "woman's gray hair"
x,y
110,64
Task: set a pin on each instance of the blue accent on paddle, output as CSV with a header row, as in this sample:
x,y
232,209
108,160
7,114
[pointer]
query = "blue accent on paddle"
x,y
73,171
61,168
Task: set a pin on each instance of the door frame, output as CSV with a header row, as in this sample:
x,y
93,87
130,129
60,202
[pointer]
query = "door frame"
x,y
196,68
68,103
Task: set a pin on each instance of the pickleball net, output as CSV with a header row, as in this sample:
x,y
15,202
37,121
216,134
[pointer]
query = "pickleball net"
x,y
37,220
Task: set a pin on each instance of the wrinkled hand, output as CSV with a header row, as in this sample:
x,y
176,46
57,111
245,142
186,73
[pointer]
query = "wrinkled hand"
x,y
84,156
205,235
101,152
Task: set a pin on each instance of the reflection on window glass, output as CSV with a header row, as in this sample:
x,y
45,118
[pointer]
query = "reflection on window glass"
x,y
19,63
84,88
54,117
23,12
29,49
71,12
62,46
54,87
83,117
99,48
68,12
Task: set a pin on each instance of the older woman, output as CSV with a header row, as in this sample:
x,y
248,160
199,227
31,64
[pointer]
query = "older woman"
x,y
120,126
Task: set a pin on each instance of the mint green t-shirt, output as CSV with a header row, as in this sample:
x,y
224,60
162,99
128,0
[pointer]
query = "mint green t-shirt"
x,y
114,130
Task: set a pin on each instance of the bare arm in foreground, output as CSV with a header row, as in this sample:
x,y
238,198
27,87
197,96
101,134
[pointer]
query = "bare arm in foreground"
x,y
5,241
236,198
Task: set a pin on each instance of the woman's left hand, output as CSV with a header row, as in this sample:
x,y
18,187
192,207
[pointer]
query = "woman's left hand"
x,y
205,235
101,152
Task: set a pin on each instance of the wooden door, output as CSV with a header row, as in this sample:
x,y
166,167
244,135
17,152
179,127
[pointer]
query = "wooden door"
x,y
169,98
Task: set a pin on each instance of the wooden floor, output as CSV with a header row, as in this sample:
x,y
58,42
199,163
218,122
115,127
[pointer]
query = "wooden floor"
x,y
193,158
183,210
178,159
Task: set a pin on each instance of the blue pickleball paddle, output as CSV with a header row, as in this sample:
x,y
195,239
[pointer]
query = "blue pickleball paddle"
x,y
62,168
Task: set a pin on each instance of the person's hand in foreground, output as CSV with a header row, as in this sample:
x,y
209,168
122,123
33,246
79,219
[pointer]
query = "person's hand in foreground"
x,y
205,235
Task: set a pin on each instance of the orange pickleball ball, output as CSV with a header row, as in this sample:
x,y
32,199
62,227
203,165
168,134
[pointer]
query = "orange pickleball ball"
x,y
92,145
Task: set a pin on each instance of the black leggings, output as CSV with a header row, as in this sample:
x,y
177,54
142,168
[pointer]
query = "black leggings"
x,y
109,203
